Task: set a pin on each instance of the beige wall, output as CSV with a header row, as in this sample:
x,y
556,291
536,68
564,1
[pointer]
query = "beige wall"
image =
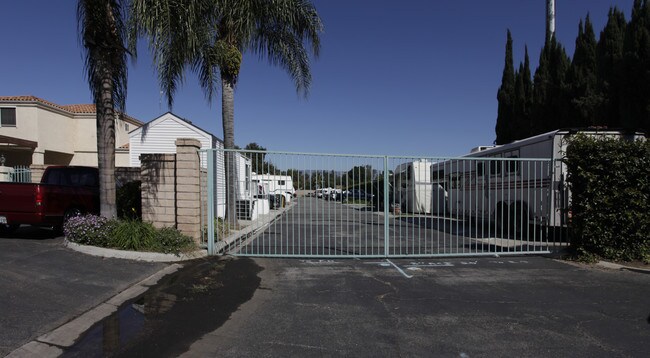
x,y
64,138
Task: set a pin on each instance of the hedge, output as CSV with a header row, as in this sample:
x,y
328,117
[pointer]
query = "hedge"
x,y
609,180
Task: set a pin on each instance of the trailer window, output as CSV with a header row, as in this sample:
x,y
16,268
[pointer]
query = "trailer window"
x,y
513,165
495,167
281,182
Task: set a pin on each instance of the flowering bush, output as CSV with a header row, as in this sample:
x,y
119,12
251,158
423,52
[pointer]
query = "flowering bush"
x,y
125,235
89,230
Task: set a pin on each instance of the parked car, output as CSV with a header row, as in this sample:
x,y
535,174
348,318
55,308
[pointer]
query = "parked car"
x,y
359,194
62,193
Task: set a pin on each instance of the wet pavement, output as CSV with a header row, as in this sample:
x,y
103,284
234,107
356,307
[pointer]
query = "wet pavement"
x,y
170,316
43,284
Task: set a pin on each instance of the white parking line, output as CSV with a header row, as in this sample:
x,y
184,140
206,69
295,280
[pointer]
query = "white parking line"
x,y
399,269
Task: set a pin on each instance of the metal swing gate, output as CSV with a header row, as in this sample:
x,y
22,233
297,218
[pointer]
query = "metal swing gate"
x,y
282,204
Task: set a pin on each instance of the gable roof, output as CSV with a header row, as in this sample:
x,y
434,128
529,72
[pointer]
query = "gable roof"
x,y
169,115
71,109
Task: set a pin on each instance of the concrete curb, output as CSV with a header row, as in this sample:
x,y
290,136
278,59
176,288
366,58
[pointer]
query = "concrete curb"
x,y
614,266
52,344
134,255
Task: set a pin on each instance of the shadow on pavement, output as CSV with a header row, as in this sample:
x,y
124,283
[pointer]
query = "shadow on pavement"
x,y
27,232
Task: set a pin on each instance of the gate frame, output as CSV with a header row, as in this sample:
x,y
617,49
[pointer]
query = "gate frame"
x,y
211,239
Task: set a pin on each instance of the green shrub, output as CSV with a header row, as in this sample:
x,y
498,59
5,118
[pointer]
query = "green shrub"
x,y
126,235
89,230
170,240
221,229
134,235
609,181
128,199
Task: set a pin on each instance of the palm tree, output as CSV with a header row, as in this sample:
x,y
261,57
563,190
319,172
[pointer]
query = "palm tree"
x,y
102,34
210,36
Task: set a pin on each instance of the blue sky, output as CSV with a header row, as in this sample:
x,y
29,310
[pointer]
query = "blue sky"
x,y
412,77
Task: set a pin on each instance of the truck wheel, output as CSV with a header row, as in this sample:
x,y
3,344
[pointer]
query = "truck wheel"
x,y
70,213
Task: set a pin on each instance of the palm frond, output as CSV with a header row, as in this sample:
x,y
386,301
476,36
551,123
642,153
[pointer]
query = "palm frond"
x,y
284,32
178,31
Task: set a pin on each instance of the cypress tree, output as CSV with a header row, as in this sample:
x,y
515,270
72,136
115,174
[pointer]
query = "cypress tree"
x,y
528,93
519,105
609,56
523,100
635,101
582,79
551,99
505,98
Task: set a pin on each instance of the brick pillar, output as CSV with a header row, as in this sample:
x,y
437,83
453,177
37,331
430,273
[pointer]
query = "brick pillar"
x,y
158,175
188,187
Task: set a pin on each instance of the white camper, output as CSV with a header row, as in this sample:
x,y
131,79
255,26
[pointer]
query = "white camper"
x,y
413,186
277,185
519,183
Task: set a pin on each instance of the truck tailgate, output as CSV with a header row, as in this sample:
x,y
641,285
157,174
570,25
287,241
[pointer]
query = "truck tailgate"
x,y
17,200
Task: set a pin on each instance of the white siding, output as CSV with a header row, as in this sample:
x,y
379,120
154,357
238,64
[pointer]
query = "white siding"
x,y
159,136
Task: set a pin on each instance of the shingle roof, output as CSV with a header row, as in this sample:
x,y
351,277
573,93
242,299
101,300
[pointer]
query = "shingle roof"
x,y
72,108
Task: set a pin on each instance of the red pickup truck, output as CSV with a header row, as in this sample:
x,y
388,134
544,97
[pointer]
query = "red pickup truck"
x,y
62,193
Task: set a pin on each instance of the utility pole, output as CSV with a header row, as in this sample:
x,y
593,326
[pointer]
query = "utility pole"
x,y
550,19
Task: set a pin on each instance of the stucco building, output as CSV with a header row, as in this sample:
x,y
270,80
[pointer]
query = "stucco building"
x,y
37,133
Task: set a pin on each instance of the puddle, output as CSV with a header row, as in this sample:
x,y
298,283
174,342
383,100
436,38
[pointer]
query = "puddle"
x,y
166,319
115,331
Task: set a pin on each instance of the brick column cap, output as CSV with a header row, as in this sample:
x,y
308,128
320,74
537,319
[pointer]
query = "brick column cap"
x,y
188,142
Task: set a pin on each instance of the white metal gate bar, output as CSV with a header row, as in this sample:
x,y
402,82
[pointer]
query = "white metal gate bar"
x,y
326,205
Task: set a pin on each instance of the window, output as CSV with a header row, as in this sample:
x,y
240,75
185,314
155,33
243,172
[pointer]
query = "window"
x,y
281,182
126,127
7,117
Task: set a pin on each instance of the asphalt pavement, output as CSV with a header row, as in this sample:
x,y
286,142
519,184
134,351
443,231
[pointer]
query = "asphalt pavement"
x,y
43,284
498,307
524,306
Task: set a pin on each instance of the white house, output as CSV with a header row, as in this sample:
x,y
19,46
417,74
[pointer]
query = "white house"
x,y
159,136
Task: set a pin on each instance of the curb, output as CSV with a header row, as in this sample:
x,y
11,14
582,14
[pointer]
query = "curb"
x,y
134,255
613,266
53,343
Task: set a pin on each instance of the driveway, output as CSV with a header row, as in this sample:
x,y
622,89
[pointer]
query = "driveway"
x,y
43,284
516,306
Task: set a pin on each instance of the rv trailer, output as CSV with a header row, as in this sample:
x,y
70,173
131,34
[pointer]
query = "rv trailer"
x,y
515,185
277,185
413,186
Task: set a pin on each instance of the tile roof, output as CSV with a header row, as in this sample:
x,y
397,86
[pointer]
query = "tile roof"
x,y
72,108
80,108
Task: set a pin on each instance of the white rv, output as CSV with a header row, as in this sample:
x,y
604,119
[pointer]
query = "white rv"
x,y
413,186
276,185
515,184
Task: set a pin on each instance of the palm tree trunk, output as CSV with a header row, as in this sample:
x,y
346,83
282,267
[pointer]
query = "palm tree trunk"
x,y
228,119
106,148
